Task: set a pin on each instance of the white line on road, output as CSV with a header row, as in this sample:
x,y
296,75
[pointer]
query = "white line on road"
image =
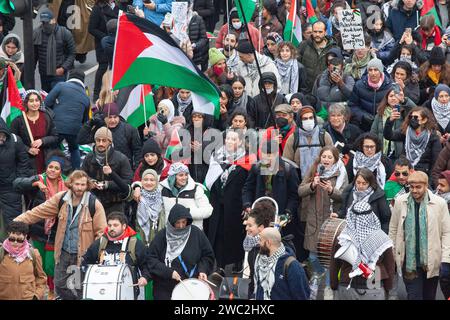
x,y
90,70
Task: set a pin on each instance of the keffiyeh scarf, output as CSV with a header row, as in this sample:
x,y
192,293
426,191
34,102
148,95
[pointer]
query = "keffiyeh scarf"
x,y
441,112
265,270
372,163
20,254
148,209
416,144
176,241
289,75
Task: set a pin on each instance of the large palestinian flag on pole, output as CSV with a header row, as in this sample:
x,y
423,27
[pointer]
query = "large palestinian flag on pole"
x,y
146,54
11,103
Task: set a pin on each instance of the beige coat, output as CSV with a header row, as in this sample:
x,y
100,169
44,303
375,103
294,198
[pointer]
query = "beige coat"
x,y
88,229
294,155
315,208
438,231
19,282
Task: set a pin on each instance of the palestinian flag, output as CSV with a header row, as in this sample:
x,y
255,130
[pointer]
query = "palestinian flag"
x,y
293,29
311,14
154,58
140,105
248,8
174,145
430,8
11,101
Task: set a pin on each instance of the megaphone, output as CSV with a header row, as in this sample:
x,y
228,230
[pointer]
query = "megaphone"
x,y
347,253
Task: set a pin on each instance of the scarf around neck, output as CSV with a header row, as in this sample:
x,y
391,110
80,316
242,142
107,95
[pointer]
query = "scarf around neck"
x,y
183,104
441,112
416,144
149,209
49,223
309,151
241,102
339,168
378,85
289,75
372,163
357,67
176,241
250,242
20,254
265,270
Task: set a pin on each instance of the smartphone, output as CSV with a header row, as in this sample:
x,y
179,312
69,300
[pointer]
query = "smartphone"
x,y
396,88
131,9
397,107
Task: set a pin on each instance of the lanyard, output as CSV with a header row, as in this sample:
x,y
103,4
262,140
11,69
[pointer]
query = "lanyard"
x,y
188,274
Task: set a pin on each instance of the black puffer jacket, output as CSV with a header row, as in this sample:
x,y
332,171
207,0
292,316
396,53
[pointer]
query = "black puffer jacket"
x,y
119,165
65,48
100,15
206,10
197,35
13,159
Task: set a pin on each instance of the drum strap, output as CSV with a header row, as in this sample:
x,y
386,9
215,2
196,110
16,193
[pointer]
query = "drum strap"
x,y
188,274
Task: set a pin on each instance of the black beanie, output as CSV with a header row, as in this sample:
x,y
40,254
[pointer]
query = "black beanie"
x,y
437,56
151,146
244,46
76,74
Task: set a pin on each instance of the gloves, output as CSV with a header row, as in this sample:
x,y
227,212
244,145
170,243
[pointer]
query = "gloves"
x,y
445,270
98,120
162,118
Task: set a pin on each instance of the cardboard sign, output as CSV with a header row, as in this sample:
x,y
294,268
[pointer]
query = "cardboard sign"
x,y
180,18
350,25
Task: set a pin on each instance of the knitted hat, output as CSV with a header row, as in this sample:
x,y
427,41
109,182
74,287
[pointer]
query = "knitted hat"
x,y
275,37
306,109
215,56
103,133
445,175
362,207
77,74
441,87
178,167
437,56
376,63
284,108
418,177
151,146
298,95
111,109
244,46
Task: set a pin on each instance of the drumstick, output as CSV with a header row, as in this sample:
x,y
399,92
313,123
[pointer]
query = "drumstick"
x,y
211,283
186,288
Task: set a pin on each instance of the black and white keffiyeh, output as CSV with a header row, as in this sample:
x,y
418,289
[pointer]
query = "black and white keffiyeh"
x,y
265,270
176,241
360,160
415,145
441,112
288,71
250,242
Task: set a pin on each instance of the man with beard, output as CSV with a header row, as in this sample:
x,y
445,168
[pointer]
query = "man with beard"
x,y
117,246
54,49
81,220
398,182
443,188
229,51
110,172
278,275
312,53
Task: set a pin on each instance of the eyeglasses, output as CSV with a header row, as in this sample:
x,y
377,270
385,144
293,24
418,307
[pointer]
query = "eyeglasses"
x,y
403,173
413,116
12,240
369,147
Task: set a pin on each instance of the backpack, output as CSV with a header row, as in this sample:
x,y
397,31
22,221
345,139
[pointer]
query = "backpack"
x,y
321,140
32,254
287,264
91,204
131,249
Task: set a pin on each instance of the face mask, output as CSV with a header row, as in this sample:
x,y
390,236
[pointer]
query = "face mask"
x,y
269,91
217,70
308,125
414,124
281,122
237,26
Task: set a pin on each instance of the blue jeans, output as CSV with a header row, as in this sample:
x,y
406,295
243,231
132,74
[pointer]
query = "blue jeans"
x,y
48,82
421,288
318,267
75,158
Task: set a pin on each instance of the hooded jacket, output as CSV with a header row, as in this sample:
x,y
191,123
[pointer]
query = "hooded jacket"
x,y
17,58
399,19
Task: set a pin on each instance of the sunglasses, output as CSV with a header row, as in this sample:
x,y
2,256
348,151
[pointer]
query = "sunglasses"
x,y
12,240
404,173
413,116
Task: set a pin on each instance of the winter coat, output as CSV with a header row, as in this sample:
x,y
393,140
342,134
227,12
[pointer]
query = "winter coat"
x,y
192,196
442,163
347,137
412,90
114,192
399,20
315,207
384,42
125,139
21,281
313,61
70,103
197,253
364,99
100,15
90,226
284,186
254,34
429,156
261,114
205,9
18,58
438,232
295,287
156,16
226,231
329,92
162,137
14,159
377,202
197,35
65,49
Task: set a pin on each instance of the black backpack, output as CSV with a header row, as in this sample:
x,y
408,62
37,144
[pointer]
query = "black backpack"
x,y
91,204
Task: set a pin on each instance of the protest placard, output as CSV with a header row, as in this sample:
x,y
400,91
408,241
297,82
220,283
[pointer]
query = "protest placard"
x,y
351,28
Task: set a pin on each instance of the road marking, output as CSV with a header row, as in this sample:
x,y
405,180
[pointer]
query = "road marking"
x,y
90,70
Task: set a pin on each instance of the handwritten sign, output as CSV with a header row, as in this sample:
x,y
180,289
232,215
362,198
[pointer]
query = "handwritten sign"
x,y
180,18
351,28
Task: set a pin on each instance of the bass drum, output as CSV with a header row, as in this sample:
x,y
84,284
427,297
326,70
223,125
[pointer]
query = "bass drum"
x,y
192,289
330,230
108,283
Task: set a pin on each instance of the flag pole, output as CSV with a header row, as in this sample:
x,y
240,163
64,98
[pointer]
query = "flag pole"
x,y
293,4
143,102
256,57
25,119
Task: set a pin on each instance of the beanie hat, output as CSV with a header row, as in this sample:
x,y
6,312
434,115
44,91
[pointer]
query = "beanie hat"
x,y
441,87
306,109
111,109
215,56
284,108
244,46
234,14
445,175
103,133
151,146
298,95
77,74
376,63
437,57
275,37
418,177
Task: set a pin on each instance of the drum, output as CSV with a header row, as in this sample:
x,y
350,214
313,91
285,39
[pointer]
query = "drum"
x,y
108,283
192,289
328,234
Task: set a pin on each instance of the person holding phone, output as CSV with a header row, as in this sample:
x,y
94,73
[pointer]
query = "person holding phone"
x,y
154,10
402,15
